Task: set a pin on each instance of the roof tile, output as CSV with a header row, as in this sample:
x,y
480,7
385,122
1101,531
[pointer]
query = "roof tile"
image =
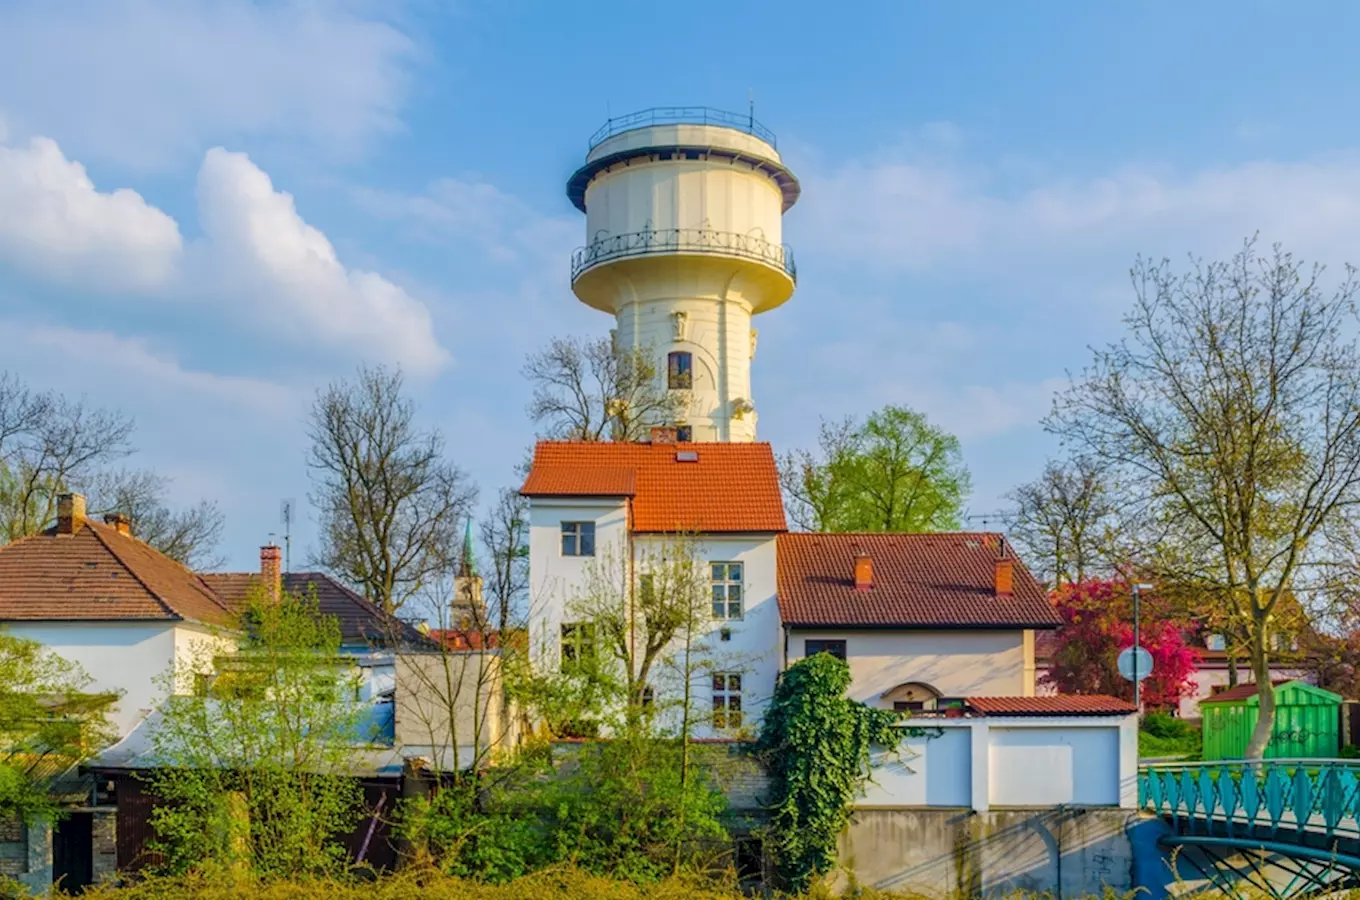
x,y
99,574
1054,705
726,488
919,581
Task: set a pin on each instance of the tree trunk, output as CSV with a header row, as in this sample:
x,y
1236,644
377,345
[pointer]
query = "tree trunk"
x,y
1265,692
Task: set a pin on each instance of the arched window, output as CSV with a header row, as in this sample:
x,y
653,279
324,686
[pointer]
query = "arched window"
x,y
913,696
680,371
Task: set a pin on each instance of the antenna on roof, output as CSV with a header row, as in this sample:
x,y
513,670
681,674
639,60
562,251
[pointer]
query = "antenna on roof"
x,y
984,519
751,105
286,514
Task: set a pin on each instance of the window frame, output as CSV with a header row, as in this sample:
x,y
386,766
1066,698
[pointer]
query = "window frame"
x,y
684,434
680,370
728,711
576,531
578,645
825,645
725,585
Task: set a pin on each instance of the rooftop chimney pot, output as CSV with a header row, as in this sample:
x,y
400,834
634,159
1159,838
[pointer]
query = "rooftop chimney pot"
x,y
1005,576
664,434
120,522
70,513
864,571
271,570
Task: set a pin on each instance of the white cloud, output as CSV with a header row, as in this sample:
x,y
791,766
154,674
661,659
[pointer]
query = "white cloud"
x,y
473,213
147,82
106,364
56,223
257,246
257,255
936,215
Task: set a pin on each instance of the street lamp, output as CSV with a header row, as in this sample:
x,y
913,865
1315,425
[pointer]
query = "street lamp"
x,y
1137,685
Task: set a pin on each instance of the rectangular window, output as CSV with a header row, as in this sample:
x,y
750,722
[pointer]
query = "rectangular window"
x,y
909,705
680,371
578,645
684,433
835,648
578,538
726,581
726,700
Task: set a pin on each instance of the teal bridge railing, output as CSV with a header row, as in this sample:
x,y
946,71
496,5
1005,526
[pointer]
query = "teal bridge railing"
x,y
1281,798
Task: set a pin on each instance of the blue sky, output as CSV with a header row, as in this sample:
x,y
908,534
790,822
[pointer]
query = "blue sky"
x,y
210,209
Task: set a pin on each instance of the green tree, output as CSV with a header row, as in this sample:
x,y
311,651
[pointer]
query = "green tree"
x,y
49,723
1230,417
893,472
254,769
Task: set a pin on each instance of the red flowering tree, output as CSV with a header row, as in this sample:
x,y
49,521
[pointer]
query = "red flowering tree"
x,y
1098,623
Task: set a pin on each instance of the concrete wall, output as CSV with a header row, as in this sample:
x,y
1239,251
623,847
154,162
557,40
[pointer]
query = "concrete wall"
x,y
455,697
1067,853
955,663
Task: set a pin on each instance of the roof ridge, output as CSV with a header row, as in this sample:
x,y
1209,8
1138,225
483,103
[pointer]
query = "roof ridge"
x,y
199,584
894,533
132,571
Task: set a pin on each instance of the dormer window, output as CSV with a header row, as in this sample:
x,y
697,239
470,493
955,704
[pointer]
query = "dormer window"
x,y
680,370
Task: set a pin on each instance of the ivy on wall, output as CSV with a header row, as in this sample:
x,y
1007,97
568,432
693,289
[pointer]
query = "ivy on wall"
x,y
815,743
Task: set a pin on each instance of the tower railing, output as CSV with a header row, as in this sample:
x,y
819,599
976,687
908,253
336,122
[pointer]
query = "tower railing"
x,y
683,240
682,115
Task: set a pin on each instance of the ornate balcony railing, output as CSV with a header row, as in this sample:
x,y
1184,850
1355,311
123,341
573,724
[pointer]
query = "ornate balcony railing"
x,y
682,115
683,240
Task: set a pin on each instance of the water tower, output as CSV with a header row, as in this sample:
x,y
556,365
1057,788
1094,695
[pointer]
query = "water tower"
x,y
683,212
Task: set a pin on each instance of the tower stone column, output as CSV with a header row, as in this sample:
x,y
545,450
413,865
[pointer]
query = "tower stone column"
x,y
684,221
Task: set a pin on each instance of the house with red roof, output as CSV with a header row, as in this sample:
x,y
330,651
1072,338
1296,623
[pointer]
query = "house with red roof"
x,y
925,621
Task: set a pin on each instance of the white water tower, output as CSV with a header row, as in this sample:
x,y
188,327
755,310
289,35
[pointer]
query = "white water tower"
x,y
684,212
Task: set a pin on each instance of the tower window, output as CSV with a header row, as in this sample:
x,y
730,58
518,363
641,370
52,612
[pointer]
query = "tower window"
x,y
726,580
684,433
680,371
726,700
578,538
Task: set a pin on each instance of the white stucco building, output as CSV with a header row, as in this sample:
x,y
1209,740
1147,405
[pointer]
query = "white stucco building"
x,y
684,226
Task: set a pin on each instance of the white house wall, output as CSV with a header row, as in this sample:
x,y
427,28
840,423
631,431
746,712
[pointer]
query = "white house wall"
x,y
553,578
1042,766
955,663
128,657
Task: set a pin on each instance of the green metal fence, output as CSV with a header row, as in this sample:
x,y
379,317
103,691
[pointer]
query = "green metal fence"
x,y
1282,796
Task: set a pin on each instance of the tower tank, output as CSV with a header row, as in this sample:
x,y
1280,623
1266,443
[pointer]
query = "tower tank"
x,y
684,209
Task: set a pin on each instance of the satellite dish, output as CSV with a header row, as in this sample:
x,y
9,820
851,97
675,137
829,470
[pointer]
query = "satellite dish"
x,y
1126,660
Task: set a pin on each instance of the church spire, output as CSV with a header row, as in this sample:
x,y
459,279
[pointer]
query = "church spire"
x,y
467,563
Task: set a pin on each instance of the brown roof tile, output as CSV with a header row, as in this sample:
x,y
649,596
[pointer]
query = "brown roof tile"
x,y
725,488
361,621
99,574
1054,705
1241,692
919,581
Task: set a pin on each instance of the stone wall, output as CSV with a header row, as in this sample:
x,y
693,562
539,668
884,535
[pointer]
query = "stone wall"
x,y
1064,852
26,853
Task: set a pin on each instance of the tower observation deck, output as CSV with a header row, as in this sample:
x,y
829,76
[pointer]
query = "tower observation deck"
x,y
684,210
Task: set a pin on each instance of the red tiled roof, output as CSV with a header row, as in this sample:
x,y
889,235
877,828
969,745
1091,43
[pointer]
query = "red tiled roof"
x,y
471,639
1241,692
1055,705
726,488
98,574
919,581
361,620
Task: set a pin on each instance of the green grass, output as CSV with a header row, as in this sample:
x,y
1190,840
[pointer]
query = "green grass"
x,y
1162,735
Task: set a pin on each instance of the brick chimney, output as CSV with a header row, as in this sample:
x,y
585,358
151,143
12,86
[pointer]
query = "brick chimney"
x,y
271,570
70,513
664,434
120,522
1005,576
864,570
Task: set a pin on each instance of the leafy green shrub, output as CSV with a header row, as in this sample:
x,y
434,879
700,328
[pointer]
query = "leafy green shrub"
x,y
1165,725
815,742
1164,735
